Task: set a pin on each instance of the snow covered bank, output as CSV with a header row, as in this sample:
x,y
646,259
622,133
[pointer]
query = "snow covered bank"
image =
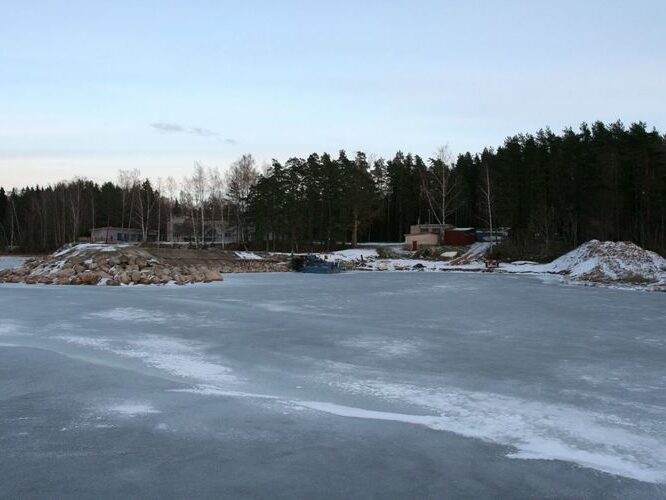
x,y
607,262
355,254
248,256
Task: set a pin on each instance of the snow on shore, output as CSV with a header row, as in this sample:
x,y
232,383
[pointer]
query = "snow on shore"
x,y
355,254
607,262
75,249
248,256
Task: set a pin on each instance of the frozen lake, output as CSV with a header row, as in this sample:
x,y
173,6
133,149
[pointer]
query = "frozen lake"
x,y
356,385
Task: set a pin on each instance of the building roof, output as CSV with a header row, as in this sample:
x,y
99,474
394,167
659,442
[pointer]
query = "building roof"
x,y
433,225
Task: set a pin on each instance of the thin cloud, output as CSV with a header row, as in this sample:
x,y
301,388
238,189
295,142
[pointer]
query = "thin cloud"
x,y
203,132
168,128
175,128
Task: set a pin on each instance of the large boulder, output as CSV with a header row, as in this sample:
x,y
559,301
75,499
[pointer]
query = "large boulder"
x,y
89,278
65,273
212,275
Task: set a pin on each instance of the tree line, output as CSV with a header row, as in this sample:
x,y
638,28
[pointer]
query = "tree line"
x,y
552,191
39,219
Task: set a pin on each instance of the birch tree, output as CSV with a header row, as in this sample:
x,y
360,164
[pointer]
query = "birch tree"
x,y
242,176
187,203
438,185
199,187
172,190
158,186
487,192
216,190
127,180
145,203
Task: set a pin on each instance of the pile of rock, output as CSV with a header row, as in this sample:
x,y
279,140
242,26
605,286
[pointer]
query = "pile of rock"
x,y
92,264
252,266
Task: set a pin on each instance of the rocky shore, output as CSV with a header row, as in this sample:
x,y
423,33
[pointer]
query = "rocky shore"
x,y
114,265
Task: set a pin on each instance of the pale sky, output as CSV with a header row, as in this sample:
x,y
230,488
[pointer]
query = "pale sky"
x,y
89,87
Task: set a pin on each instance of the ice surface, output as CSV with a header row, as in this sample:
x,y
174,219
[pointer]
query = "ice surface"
x,y
385,384
133,409
11,261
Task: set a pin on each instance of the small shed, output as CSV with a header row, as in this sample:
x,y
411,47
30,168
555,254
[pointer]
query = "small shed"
x,y
460,236
421,240
425,235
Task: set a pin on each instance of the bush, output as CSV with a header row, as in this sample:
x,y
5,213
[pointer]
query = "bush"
x,y
387,253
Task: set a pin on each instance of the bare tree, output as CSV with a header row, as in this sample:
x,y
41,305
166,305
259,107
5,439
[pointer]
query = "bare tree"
x,y
187,202
158,186
199,186
241,178
75,197
171,190
438,185
444,157
486,190
216,189
92,203
145,203
127,180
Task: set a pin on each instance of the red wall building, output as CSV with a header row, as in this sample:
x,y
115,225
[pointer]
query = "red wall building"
x,y
460,236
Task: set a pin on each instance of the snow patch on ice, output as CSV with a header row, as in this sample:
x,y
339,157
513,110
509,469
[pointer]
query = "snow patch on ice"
x,y
535,429
382,346
9,327
211,390
303,310
130,314
350,411
133,409
166,354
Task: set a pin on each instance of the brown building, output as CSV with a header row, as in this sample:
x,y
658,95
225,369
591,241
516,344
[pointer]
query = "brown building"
x,y
433,235
425,235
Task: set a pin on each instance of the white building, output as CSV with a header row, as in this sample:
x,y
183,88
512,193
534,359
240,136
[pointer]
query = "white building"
x,y
111,234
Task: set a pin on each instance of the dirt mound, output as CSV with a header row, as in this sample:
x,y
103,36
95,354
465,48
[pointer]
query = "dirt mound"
x,y
611,262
